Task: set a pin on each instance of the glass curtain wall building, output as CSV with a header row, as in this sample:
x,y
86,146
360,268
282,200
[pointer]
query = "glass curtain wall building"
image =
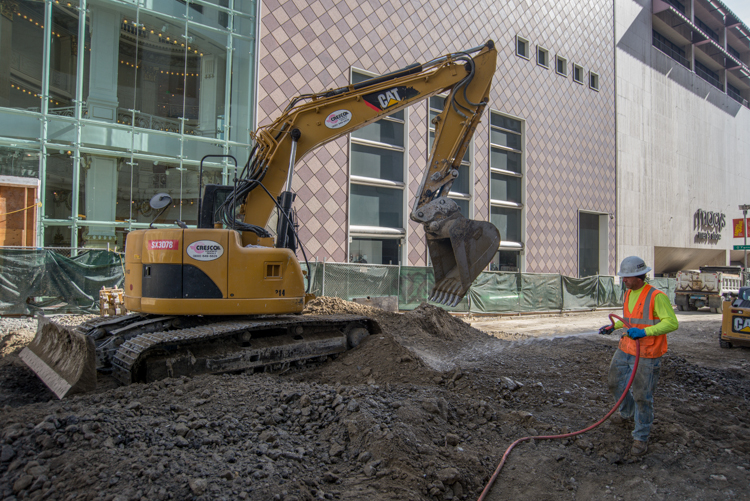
x,y
108,103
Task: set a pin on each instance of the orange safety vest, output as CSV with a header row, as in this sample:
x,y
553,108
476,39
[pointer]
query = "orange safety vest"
x,y
642,316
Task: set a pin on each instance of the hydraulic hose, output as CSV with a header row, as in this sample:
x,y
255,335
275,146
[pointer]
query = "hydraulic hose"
x,y
487,488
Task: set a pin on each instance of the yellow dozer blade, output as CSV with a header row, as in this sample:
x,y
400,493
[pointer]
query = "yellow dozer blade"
x,y
459,251
64,359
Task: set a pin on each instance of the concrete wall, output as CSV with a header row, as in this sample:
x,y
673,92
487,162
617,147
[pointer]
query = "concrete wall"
x,y
682,145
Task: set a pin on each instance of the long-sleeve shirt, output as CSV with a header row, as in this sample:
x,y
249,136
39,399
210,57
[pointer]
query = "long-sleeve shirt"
x,y
665,312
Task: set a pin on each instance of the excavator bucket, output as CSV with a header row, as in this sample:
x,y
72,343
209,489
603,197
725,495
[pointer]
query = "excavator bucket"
x,y
460,250
63,358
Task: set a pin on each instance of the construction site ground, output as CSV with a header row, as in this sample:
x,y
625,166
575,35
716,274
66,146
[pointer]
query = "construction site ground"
x,y
423,410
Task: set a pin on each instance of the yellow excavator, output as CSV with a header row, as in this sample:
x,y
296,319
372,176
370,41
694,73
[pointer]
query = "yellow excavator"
x,y
226,296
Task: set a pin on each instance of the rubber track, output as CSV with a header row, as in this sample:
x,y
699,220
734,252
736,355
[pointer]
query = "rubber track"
x,y
133,350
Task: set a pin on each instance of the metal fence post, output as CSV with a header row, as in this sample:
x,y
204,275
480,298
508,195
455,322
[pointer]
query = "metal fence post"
x,y
323,286
398,282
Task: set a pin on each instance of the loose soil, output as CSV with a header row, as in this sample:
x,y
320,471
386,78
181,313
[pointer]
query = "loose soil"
x,y
422,410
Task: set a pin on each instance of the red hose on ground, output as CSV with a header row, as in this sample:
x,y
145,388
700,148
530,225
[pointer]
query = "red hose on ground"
x,y
572,434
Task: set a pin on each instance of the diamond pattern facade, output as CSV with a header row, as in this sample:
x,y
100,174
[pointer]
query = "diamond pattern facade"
x,y
569,128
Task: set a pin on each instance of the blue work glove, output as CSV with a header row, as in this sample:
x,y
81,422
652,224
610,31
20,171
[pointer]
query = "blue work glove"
x,y
607,329
636,333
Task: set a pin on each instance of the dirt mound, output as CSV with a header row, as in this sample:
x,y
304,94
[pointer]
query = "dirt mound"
x,y
325,305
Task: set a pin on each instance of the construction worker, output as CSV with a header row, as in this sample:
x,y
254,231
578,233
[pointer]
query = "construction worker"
x,y
650,314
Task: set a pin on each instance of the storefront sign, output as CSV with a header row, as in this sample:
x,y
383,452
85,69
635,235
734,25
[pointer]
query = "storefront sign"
x,y
709,225
738,228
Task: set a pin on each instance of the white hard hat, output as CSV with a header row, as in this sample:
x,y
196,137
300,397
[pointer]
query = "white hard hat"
x,y
633,266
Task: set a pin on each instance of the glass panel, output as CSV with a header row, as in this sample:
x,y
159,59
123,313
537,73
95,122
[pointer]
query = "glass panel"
x,y
505,261
153,55
373,206
505,122
57,236
63,58
508,221
507,139
19,162
205,81
188,197
437,103
58,190
104,195
150,178
463,205
21,63
506,160
467,156
375,250
195,149
383,131
588,252
61,130
506,188
241,91
462,182
377,163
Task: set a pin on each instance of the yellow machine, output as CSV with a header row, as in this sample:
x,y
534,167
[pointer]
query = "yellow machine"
x,y
223,296
735,321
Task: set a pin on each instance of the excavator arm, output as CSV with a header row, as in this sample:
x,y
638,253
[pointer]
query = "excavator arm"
x,y
459,248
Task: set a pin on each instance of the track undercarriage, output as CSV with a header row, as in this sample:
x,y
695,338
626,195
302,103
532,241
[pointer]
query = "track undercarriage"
x,y
145,348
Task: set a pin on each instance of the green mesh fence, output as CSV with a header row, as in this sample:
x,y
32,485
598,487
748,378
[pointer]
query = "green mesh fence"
x,y
540,292
38,279
495,292
348,281
666,285
610,295
580,293
33,280
415,284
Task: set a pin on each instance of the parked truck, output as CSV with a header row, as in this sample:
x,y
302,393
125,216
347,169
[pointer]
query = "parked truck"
x,y
710,286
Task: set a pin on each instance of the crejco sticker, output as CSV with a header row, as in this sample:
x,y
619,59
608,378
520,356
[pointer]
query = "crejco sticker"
x,y
205,250
338,118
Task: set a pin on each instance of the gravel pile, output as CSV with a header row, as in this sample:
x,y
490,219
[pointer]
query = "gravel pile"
x,y
421,411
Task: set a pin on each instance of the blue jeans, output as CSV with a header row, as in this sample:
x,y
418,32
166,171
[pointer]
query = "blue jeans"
x,y
639,402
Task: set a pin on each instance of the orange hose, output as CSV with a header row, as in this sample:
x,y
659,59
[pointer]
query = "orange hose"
x,y
572,434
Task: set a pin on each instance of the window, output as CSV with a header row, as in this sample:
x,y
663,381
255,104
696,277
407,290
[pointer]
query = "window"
x,y
461,189
708,75
376,201
666,46
734,52
506,188
707,30
577,74
561,66
734,93
374,250
522,47
542,57
593,81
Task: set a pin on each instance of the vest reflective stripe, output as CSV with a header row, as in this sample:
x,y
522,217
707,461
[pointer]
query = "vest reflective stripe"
x,y
643,316
644,319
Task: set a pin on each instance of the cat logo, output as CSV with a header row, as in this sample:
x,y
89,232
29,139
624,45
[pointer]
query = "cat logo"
x,y
740,324
389,98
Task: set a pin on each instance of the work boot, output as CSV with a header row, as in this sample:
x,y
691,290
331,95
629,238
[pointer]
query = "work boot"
x,y
639,448
618,420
